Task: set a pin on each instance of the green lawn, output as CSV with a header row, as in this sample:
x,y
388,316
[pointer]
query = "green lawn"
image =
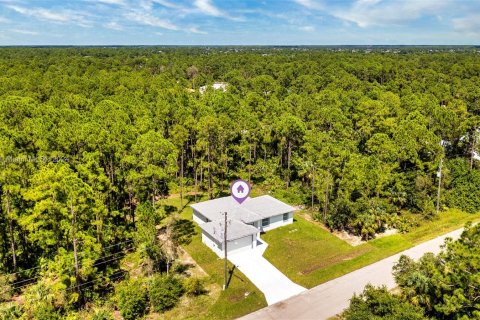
x,y
309,255
241,297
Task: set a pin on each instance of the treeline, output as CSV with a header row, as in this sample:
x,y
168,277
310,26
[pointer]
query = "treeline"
x,y
88,135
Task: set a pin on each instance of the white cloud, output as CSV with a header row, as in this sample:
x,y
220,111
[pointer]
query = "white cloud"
x,y
366,13
146,15
148,5
310,4
4,20
26,32
169,4
307,28
113,25
195,30
63,16
150,20
469,24
116,2
208,8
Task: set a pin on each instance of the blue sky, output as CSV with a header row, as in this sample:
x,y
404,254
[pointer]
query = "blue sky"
x,y
223,22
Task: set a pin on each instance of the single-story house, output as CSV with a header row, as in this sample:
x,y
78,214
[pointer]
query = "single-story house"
x,y
216,86
245,221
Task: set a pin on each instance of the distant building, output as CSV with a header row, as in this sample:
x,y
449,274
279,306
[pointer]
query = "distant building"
x,y
216,86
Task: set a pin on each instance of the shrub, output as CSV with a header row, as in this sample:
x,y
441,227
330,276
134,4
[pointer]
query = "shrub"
x,y
194,287
165,292
101,314
428,209
10,311
132,299
465,192
45,311
42,301
379,303
5,288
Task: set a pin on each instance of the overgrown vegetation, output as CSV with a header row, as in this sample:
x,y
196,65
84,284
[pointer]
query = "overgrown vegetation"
x,y
92,140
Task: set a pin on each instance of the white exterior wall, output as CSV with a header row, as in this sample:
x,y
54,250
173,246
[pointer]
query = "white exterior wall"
x,y
245,243
212,244
199,218
275,222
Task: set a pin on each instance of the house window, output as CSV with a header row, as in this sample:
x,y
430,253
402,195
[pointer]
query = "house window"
x,y
265,222
285,217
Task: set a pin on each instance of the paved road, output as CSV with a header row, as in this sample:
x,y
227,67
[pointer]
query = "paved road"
x,y
271,281
331,298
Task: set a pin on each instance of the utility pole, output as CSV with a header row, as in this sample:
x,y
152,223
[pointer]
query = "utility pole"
x,y
472,151
439,185
313,184
181,181
225,271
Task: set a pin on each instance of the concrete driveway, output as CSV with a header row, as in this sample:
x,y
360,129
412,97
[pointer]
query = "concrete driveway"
x,y
332,297
274,284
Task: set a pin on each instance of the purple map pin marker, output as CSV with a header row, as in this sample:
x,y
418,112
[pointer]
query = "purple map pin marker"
x,y
240,190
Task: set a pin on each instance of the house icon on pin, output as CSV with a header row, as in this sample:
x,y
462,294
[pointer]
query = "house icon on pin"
x,y
240,189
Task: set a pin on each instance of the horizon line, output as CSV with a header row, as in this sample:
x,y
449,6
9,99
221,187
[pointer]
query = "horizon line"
x,y
238,45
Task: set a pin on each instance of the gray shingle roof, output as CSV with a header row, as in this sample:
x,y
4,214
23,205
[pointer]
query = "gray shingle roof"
x,y
235,229
252,209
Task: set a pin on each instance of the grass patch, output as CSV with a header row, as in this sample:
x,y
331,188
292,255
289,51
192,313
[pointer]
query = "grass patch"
x,y
301,248
310,255
304,251
241,297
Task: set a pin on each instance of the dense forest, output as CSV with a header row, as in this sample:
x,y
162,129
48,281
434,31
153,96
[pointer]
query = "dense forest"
x,y
92,140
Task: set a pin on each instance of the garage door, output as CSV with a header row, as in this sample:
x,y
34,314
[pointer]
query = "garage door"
x,y
240,244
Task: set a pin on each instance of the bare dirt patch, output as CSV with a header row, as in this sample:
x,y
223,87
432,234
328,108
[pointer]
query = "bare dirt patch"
x,y
349,238
194,270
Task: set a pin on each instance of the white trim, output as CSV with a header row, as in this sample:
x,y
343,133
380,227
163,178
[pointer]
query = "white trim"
x,y
276,222
198,217
249,243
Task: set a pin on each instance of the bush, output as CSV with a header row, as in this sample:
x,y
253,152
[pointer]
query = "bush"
x,y
132,299
465,192
428,209
101,314
379,303
5,288
194,287
10,311
42,301
45,311
405,223
165,292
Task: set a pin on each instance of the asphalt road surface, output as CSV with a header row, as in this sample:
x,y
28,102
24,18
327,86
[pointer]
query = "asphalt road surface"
x,y
332,297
